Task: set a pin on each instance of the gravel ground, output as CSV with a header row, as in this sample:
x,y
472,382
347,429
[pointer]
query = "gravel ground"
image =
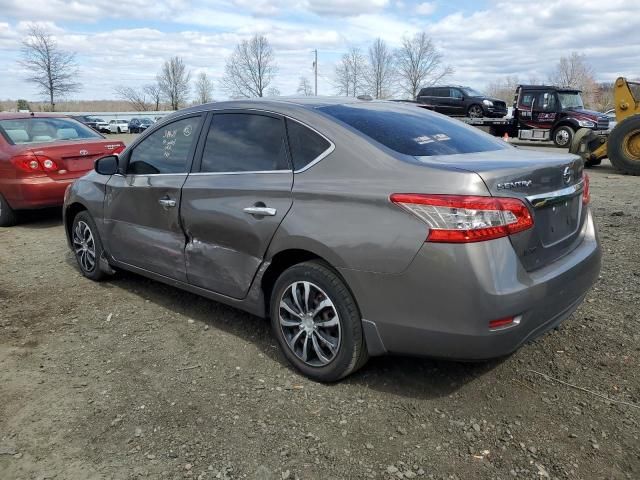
x,y
131,378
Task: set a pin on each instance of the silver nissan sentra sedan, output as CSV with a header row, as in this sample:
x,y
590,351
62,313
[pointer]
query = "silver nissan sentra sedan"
x,y
358,227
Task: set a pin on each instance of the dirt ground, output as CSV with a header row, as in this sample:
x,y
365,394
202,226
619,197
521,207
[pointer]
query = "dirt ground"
x,y
131,378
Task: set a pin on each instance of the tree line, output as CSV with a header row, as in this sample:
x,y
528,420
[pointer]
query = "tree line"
x,y
250,70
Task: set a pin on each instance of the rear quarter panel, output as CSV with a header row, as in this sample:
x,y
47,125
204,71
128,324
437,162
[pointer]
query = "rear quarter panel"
x,y
341,209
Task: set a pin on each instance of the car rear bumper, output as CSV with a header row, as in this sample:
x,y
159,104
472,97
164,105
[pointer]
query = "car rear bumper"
x,y
442,304
37,192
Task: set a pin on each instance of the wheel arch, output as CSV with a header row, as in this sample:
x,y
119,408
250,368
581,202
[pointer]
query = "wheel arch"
x,y
289,257
567,122
70,213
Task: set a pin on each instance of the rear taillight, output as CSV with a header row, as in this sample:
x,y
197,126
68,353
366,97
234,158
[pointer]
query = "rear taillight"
x,y
47,164
465,219
119,149
586,193
28,162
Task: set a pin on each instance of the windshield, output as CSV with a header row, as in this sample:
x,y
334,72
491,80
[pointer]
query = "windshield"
x,y
40,130
570,100
470,92
411,130
146,121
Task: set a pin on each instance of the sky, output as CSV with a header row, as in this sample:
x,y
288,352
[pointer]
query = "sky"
x,y
126,42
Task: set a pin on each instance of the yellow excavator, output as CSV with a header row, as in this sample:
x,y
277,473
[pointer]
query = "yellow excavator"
x,y
622,145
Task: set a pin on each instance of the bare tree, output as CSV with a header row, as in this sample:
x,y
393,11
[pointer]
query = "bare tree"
x,y
419,64
136,98
51,69
503,89
204,87
155,94
273,92
304,87
574,71
250,69
381,71
350,73
173,81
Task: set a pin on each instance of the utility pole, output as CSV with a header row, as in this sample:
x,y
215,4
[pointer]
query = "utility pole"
x,y
315,71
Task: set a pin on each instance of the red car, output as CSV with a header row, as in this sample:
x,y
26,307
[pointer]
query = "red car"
x,y
40,156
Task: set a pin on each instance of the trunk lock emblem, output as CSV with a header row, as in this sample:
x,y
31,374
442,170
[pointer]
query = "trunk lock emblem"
x,y
84,152
567,175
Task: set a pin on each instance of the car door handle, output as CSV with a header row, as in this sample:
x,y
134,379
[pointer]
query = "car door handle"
x,y
167,202
260,211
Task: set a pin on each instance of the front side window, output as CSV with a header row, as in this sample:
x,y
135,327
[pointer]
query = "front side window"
x,y
45,129
470,92
305,144
243,142
455,93
166,150
413,131
570,100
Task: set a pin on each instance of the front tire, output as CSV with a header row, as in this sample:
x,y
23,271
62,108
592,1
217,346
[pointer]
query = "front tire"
x,y
475,111
87,246
562,136
7,215
317,323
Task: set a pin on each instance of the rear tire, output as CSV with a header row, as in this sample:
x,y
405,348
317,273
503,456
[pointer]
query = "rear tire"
x,y
7,215
562,136
325,343
623,146
87,246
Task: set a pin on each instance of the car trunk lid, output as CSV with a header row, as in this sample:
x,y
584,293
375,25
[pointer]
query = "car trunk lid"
x,y
551,184
73,159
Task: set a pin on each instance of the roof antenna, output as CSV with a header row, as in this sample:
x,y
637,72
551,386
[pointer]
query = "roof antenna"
x,y
32,114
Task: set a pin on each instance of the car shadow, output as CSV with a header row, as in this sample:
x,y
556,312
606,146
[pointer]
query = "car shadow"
x,y
41,218
416,378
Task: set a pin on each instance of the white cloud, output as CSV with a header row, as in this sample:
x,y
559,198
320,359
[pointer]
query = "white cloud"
x,y
504,38
345,8
426,8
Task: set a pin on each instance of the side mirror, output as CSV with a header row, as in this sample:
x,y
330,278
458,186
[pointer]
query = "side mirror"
x,y
106,165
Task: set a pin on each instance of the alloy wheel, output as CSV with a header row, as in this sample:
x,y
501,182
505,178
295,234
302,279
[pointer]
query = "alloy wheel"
x,y
476,112
562,137
310,323
84,246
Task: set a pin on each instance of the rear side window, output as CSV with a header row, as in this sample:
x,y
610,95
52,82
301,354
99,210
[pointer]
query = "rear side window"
x,y
166,150
305,144
242,142
413,131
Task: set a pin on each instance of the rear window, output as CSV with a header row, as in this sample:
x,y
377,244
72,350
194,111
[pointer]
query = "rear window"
x,y
411,130
42,129
305,144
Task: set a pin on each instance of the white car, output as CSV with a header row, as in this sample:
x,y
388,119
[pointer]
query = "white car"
x,y
119,126
102,126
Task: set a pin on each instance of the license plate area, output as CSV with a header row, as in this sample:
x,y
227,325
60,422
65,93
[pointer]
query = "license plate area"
x,y
558,220
81,164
